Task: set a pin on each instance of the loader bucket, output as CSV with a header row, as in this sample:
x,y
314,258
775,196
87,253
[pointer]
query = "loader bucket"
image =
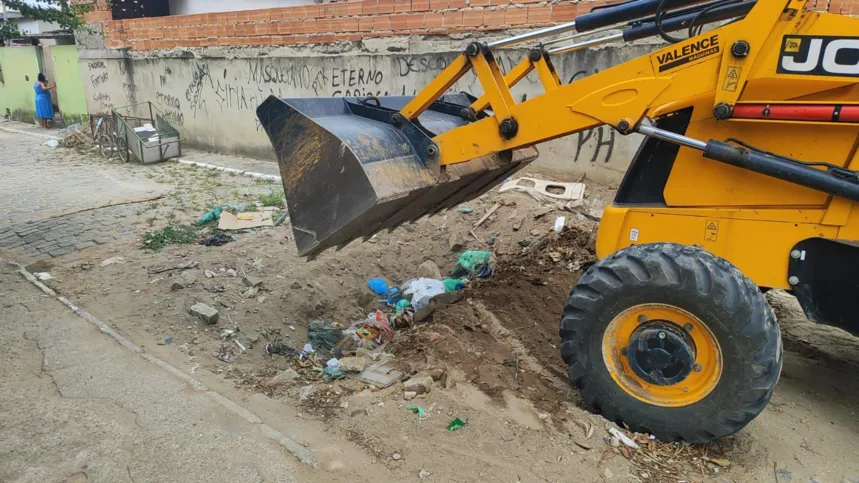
x,y
346,175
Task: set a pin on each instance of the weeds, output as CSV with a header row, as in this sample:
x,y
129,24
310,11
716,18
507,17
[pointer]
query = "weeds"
x,y
172,234
272,199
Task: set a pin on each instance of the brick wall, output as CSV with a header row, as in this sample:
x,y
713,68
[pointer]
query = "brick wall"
x,y
350,20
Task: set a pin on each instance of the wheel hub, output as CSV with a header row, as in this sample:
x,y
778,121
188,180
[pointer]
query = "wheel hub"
x,y
660,353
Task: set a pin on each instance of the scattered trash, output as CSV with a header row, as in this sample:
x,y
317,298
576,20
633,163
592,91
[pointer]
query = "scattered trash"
x,y
396,456
543,190
322,335
465,209
333,363
380,375
455,424
209,274
417,410
526,242
517,224
475,263
424,474
52,143
409,395
453,284
210,216
378,286
112,261
492,238
559,223
231,272
281,218
487,215
216,240
332,373
403,304
622,437
244,220
424,289
43,276
205,313
279,348
225,354
428,269
166,341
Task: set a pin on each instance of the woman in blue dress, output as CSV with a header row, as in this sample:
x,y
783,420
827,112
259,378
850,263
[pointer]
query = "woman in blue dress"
x,y
44,106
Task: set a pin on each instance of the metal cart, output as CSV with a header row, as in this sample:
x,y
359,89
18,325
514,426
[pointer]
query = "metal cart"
x,y
148,139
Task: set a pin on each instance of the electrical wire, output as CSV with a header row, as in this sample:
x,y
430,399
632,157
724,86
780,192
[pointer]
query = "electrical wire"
x,y
697,18
658,16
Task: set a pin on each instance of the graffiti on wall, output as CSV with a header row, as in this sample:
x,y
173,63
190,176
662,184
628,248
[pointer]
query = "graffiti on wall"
x,y
211,96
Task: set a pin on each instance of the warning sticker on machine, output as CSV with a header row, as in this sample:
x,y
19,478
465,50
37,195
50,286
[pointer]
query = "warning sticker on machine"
x,y
732,78
684,54
711,230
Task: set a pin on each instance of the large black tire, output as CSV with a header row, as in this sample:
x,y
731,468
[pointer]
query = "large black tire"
x,y
731,306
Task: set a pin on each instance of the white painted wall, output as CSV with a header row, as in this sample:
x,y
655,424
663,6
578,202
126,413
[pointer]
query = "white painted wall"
x,y
35,27
188,7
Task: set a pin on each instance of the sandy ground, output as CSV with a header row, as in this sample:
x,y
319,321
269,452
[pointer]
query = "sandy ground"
x,y
496,352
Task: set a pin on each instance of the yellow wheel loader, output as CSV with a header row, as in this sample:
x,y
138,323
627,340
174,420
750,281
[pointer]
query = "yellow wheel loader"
x,y
746,181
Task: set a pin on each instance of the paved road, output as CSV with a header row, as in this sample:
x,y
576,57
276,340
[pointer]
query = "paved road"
x,y
45,190
75,406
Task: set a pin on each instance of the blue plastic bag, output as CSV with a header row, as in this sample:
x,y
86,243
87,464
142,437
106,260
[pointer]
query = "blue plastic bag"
x,y
379,286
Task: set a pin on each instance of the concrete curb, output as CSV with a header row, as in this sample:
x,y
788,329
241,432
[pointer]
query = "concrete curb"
x,y
303,454
252,174
28,133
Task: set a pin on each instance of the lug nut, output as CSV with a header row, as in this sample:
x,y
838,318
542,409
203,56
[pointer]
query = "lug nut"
x,y
642,318
795,254
793,280
688,327
697,368
662,335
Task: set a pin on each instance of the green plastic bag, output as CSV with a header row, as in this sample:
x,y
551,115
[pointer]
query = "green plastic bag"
x,y
455,424
475,263
403,305
417,410
453,284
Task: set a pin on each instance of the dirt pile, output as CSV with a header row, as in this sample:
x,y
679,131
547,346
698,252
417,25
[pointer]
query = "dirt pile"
x,y
504,337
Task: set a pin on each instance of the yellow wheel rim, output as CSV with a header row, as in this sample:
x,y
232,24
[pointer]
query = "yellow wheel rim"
x,y
689,384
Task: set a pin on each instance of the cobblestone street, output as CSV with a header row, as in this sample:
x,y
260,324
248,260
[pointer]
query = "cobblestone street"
x,y
56,200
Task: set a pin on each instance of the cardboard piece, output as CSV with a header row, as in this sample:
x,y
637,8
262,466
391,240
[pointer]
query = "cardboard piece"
x,y
244,221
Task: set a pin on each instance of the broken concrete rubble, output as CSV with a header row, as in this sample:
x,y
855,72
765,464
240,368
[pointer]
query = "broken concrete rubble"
x,y
419,384
353,364
205,313
287,376
455,243
428,269
184,280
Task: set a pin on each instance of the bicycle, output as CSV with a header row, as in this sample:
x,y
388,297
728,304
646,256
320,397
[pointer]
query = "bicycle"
x,y
108,140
